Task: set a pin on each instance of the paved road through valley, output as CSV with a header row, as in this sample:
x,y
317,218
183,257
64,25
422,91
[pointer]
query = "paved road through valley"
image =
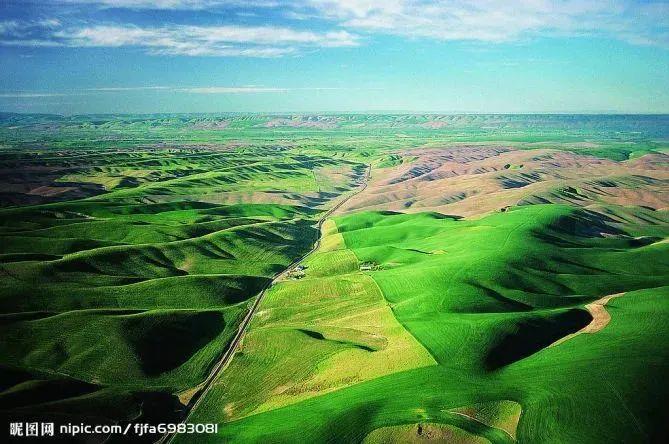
x,y
230,352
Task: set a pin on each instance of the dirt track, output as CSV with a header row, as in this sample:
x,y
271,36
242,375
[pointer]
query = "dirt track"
x,y
600,318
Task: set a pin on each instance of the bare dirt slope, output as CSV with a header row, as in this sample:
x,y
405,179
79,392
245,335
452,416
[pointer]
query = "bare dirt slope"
x,y
475,180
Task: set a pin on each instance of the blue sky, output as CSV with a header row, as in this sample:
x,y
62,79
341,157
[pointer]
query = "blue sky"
x,y
140,56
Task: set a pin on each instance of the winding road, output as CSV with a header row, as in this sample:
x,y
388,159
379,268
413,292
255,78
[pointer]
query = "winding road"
x,y
225,360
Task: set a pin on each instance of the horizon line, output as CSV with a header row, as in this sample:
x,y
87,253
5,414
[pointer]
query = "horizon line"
x,y
334,112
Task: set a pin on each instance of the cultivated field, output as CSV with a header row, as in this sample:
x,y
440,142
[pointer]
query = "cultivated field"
x,y
476,278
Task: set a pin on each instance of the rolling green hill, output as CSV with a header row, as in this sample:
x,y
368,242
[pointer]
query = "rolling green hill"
x,y
499,278
130,297
486,299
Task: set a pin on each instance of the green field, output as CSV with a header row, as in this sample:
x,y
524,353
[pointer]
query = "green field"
x,y
446,300
484,299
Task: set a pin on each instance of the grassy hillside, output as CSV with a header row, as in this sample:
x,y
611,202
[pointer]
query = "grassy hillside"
x,y
486,299
500,278
131,295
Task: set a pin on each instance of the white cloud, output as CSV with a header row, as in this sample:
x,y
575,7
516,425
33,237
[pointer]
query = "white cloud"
x,y
49,23
33,43
231,90
490,21
500,20
645,22
254,89
9,26
128,88
23,28
28,32
251,41
189,40
26,95
248,89
175,4
149,4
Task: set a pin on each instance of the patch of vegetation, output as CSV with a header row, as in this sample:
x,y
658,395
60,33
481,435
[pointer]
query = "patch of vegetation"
x,y
506,287
133,294
133,246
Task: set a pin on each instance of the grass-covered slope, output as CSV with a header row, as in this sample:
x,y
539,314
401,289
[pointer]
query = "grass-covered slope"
x,y
132,295
131,247
330,329
135,299
486,299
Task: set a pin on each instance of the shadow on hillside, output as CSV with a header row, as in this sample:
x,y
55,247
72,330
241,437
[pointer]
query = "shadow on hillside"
x,y
530,335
